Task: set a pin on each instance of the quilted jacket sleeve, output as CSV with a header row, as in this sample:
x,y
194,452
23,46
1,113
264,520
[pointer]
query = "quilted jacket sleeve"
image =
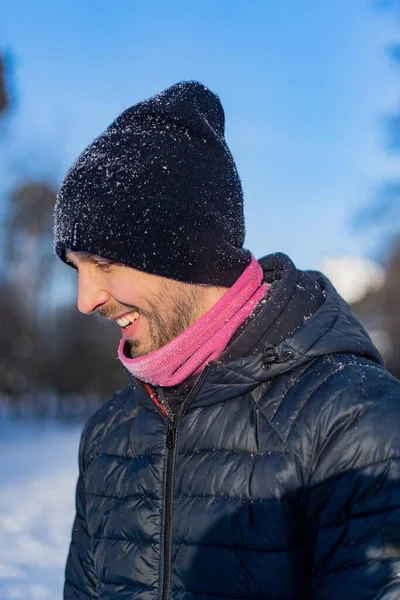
x,y
80,576
353,499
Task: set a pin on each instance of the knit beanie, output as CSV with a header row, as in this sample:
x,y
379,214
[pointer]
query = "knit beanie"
x,y
159,191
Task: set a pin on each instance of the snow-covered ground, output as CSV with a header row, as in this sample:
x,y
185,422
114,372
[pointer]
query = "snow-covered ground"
x,y
38,472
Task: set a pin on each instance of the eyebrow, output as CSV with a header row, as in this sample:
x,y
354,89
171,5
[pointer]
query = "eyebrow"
x,y
85,257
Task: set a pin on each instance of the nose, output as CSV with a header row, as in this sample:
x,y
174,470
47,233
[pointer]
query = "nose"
x,y
92,294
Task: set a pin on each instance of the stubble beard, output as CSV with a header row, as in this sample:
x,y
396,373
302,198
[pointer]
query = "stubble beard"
x,y
175,308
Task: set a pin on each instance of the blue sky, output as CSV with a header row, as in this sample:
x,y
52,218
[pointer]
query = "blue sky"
x,y
305,87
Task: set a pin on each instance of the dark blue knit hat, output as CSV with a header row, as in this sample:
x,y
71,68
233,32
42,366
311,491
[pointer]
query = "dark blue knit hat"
x,y
159,191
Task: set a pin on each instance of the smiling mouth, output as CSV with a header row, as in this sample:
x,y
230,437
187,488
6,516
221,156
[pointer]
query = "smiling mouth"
x,y
126,321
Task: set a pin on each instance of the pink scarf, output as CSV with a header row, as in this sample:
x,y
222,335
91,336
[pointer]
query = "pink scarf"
x,y
205,340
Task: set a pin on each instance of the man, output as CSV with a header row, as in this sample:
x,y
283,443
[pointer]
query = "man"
x,y
255,452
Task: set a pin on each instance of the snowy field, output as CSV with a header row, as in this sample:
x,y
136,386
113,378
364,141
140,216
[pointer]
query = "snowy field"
x,y
38,472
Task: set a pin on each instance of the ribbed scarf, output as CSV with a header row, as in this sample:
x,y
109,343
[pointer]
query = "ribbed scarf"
x,y
205,340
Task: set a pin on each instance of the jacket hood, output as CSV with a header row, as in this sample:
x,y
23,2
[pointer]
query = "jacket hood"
x,y
332,329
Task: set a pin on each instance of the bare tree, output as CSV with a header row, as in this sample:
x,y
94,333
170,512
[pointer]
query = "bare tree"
x,y
384,210
380,311
390,309
4,100
29,258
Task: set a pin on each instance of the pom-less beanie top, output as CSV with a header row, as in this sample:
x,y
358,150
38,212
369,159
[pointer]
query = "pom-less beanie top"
x,y
159,191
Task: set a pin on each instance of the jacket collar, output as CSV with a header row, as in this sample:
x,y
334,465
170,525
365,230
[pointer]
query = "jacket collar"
x,y
332,329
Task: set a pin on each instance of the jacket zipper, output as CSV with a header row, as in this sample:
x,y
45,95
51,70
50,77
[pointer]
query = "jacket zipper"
x,y
169,488
169,492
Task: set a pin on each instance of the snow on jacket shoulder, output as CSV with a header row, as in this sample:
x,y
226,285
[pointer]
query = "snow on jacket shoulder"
x,y
280,480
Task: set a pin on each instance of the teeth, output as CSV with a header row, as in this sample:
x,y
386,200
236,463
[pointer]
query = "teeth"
x,y
124,321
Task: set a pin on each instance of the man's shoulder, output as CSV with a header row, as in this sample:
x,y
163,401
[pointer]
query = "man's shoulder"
x,y
352,414
343,379
328,389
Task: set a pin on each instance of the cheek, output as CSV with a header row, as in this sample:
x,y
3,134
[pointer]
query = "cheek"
x,y
128,293
123,292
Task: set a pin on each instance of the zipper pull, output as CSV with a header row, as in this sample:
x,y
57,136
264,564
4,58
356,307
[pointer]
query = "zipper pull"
x,y
171,435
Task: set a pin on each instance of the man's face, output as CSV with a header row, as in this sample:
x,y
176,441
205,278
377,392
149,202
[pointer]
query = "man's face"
x,y
151,310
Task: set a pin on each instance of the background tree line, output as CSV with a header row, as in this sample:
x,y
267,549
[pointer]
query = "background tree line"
x,y
383,307
52,358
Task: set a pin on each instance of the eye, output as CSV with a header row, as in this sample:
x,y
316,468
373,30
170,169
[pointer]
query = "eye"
x,y
104,265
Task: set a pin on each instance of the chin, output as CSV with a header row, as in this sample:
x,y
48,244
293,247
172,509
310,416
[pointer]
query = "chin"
x,y
135,349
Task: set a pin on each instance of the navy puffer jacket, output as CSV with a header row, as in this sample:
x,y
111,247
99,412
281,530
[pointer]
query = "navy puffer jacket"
x,y
279,479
